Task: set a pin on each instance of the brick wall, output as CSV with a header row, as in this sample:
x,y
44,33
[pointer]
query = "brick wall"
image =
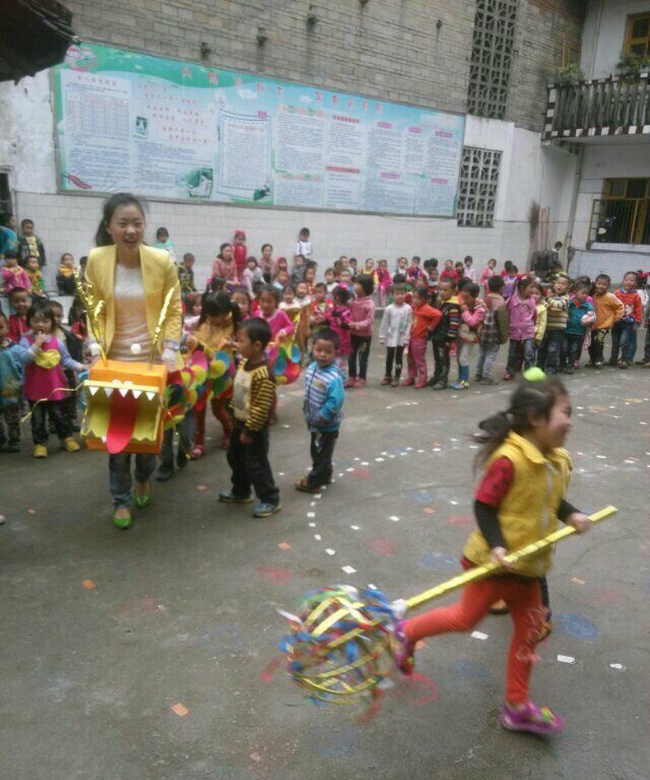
x,y
542,27
391,49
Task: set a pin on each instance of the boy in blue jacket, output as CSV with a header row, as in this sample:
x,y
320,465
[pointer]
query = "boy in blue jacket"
x,y
324,396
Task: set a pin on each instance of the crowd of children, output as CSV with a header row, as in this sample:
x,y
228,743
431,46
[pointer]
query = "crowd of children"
x,y
466,316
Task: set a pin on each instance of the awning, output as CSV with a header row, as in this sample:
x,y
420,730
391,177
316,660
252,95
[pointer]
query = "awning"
x,y
34,34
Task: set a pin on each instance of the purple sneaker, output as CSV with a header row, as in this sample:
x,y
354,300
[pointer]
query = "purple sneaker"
x,y
536,720
403,650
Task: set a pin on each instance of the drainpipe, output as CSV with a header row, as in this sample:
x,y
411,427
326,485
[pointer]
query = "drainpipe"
x,y
577,177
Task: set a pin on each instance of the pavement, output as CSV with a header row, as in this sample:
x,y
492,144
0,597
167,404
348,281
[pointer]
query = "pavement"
x,y
152,654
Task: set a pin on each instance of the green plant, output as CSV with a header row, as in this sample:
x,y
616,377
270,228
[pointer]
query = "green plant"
x,y
631,66
568,75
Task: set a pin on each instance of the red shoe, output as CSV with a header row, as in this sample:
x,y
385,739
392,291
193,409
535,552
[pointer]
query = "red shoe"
x,y
359,382
420,385
197,452
507,377
349,383
408,382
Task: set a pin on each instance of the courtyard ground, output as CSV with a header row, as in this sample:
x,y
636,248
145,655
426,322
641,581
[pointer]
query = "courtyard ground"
x,y
153,654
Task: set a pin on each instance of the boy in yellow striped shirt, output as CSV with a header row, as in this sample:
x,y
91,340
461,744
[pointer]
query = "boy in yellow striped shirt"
x,y
253,397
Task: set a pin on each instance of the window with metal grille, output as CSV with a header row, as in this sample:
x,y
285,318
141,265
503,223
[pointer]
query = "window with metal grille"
x,y
637,35
477,191
492,45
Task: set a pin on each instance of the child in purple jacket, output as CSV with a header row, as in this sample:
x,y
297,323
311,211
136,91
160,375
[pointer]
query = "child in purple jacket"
x,y
362,309
522,313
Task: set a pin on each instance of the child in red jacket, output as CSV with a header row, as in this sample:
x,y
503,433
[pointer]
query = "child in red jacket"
x,y
624,331
425,319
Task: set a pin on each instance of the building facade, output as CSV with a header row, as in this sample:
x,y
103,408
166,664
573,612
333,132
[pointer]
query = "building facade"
x,y
602,113
489,60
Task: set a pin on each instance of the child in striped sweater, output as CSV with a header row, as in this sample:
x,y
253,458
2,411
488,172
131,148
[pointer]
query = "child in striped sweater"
x,y
557,316
253,400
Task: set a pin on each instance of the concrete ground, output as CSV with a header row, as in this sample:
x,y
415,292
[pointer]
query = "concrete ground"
x,y
153,654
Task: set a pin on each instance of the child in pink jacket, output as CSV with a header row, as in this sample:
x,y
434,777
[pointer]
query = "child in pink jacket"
x,y
362,310
522,314
472,314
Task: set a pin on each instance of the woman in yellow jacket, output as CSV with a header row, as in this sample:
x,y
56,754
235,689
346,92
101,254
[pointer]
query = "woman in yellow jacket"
x,y
519,500
133,280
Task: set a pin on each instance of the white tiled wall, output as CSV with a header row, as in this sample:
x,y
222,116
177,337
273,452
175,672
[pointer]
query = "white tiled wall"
x,y
68,223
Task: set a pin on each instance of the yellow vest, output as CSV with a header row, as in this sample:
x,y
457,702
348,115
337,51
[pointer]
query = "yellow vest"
x,y
529,510
159,275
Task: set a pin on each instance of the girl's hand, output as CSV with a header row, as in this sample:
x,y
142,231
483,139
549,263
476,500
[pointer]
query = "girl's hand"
x,y
40,339
579,521
192,343
498,555
244,438
229,344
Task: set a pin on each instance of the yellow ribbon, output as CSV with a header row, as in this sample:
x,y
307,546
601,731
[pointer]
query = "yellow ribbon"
x,y
161,322
93,309
45,400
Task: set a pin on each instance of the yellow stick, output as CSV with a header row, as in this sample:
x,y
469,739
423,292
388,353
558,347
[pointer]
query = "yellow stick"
x,y
481,572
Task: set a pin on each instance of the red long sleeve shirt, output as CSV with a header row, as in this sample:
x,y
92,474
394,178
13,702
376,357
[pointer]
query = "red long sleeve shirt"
x,y
425,318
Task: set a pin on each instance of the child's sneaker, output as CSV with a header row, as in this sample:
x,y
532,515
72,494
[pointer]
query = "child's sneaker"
x,y
349,382
303,485
395,382
408,382
264,509
71,445
420,385
403,650
228,497
460,385
385,380
531,718
359,382
40,451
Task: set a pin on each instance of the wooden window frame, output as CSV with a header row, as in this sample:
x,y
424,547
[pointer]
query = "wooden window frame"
x,y
629,41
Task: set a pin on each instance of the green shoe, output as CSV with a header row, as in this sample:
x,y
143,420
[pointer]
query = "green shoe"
x,y
142,501
123,523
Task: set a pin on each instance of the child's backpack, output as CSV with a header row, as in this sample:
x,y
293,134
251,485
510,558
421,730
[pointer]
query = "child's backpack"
x,y
503,324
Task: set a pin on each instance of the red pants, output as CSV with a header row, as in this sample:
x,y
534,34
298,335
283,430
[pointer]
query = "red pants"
x,y
524,602
219,410
417,360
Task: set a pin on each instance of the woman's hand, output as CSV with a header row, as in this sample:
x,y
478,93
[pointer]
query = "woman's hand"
x,y
579,521
169,358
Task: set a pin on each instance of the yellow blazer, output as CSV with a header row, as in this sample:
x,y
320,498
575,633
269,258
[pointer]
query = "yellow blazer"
x,y
159,275
529,510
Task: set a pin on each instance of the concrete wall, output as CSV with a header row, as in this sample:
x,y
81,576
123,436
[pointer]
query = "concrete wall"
x,y
604,34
